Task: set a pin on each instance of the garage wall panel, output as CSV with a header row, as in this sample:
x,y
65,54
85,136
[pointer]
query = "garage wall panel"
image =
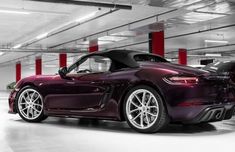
x,y
7,76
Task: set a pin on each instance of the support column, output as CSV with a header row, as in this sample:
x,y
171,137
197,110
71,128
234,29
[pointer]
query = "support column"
x,y
183,56
38,66
18,71
157,43
93,46
62,60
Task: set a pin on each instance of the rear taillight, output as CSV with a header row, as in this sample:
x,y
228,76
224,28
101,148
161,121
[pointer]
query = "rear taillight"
x,y
181,80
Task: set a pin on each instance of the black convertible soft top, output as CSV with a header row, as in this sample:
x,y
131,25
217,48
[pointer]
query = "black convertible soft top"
x,y
125,57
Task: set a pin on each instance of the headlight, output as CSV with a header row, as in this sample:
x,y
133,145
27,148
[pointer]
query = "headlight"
x,y
181,80
17,85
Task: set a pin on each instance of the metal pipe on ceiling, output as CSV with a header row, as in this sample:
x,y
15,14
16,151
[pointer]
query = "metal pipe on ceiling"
x,y
88,3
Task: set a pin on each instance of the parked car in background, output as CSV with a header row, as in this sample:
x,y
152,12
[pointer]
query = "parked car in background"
x,y
223,69
11,86
123,85
198,66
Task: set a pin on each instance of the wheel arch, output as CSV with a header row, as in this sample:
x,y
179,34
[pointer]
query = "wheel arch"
x,y
26,84
30,84
146,83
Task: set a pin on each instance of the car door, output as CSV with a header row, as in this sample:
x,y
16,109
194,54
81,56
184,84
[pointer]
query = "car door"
x,y
81,91
87,91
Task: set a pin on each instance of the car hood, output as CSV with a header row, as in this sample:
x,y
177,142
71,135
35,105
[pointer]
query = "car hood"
x,y
176,68
41,77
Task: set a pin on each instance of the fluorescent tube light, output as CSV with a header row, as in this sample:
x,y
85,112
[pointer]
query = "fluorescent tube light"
x,y
42,36
216,41
194,55
17,46
112,38
86,17
50,66
104,42
213,55
14,12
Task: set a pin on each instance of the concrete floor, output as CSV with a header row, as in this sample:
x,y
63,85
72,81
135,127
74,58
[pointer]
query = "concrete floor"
x,y
72,135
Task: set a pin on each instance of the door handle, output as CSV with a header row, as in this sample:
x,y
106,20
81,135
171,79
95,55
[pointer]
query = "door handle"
x,y
70,82
97,82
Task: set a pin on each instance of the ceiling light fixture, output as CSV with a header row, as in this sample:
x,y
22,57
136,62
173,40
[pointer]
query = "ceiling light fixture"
x,y
112,38
17,46
1,53
14,12
42,36
86,17
216,41
194,55
50,66
213,54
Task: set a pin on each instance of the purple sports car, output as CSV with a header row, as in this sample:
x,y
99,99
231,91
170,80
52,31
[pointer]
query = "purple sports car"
x,y
141,88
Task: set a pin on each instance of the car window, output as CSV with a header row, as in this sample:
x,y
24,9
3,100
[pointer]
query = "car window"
x,y
99,64
148,58
93,64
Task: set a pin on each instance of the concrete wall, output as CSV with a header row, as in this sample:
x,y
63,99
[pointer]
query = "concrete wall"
x,y
7,75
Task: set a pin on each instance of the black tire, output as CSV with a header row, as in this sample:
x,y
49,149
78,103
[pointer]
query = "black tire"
x,y
161,120
40,117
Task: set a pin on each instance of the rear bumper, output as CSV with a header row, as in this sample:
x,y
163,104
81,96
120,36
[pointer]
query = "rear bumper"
x,y
214,113
198,113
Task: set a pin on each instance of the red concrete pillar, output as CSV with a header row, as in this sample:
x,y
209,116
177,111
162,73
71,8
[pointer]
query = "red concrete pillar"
x,y
18,71
38,66
157,43
183,56
62,60
93,46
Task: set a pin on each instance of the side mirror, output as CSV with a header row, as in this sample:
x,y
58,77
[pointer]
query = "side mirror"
x,y
62,72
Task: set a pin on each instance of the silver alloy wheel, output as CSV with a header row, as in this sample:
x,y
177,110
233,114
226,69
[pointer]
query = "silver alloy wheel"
x,y
30,104
142,109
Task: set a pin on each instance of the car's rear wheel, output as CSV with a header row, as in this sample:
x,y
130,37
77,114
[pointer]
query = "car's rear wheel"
x,y
144,110
30,105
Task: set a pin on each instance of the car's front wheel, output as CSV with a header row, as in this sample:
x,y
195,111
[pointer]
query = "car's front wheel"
x,y
144,110
30,105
